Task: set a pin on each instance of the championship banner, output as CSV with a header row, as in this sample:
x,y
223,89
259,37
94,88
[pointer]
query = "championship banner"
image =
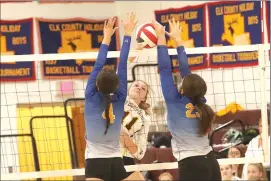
x,y
235,23
192,21
17,39
267,5
72,36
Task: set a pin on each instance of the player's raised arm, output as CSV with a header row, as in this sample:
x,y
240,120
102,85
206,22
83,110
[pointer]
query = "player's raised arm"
x,y
175,34
109,30
128,26
169,89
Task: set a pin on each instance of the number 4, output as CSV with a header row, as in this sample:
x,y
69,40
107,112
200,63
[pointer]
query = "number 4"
x,y
190,108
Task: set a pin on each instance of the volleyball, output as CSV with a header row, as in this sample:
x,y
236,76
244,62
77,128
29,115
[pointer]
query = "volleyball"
x,y
146,36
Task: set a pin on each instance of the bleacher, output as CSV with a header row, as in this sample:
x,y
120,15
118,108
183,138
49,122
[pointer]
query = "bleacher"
x,y
240,121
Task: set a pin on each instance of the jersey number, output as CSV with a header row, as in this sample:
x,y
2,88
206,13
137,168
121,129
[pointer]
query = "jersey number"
x,y
190,108
130,124
111,114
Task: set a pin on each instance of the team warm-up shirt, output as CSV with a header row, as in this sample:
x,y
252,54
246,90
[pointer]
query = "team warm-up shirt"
x,y
136,124
98,144
181,116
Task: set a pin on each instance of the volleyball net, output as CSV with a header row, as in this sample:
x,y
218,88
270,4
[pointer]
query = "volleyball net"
x,y
42,126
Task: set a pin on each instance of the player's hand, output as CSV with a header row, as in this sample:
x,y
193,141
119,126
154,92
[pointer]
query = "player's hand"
x,y
109,29
159,29
129,24
176,31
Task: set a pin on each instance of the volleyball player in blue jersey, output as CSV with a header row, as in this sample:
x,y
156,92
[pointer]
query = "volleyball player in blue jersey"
x,y
189,119
105,96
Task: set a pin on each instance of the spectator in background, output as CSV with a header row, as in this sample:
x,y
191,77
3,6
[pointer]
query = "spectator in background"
x,y
255,149
158,175
256,170
237,152
227,173
166,176
255,145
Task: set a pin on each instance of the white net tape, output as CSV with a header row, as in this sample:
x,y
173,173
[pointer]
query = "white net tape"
x,y
115,54
141,167
262,51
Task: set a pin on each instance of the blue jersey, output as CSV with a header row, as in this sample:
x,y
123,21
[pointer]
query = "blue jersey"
x,y
181,115
98,144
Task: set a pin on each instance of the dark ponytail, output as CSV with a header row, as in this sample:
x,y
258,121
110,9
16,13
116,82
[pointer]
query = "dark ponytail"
x,y
107,82
107,102
207,115
195,88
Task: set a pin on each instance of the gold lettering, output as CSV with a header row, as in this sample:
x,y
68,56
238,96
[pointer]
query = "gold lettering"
x,y
245,56
50,62
195,60
191,61
21,40
54,27
246,7
71,27
224,58
190,15
62,70
253,20
94,27
178,17
10,28
15,72
230,9
87,69
53,70
219,11
196,27
164,18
